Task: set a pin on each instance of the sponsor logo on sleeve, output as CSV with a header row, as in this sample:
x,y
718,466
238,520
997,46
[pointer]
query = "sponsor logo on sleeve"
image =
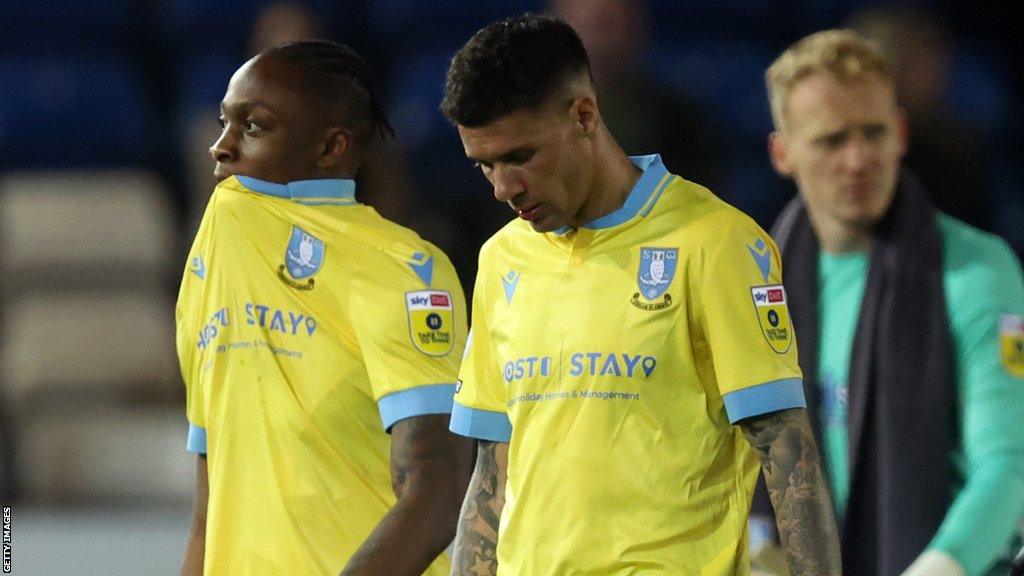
x,y
430,321
423,265
198,267
654,276
762,257
1011,343
303,258
773,316
510,281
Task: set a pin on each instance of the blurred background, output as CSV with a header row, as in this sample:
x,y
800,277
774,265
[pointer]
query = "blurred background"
x,y
107,108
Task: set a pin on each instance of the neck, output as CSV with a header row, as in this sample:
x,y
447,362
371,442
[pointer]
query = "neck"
x,y
837,238
612,177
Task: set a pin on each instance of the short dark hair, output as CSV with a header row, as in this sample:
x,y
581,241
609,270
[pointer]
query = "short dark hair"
x,y
515,64
337,74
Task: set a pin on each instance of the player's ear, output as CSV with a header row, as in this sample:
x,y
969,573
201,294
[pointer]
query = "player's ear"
x,y
585,114
778,151
338,143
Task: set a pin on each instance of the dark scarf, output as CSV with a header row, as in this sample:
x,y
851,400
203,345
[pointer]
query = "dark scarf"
x,y
902,395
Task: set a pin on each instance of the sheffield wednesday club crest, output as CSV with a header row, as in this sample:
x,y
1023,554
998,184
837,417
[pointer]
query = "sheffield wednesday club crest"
x,y
303,258
654,276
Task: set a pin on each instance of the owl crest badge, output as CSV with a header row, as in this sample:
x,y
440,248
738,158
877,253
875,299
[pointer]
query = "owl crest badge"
x,y
654,276
302,259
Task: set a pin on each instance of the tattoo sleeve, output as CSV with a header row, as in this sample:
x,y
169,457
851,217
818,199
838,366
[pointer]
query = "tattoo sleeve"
x,y
476,542
803,508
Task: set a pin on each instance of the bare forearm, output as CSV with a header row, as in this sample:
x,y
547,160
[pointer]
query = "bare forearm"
x,y
410,536
476,543
430,469
803,508
195,553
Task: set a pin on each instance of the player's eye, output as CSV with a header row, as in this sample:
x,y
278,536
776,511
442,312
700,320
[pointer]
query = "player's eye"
x,y
252,127
520,157
222,121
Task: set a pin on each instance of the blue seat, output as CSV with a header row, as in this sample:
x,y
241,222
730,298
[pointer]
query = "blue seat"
x,y
204,79
60,111
725,76
978,92
671,18
750,184
31,26
407,26
416,87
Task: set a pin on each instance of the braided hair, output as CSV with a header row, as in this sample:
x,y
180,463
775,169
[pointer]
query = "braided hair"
x,y
342,80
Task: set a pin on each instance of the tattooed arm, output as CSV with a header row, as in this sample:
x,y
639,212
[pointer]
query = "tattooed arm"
x,y
792,472
430,468
476,542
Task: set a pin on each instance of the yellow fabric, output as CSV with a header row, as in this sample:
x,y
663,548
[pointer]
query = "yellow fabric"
x,y
285,378
622,458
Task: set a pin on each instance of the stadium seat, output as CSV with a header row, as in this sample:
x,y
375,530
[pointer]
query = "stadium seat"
x,y
107,454
725,76
750,184
675,19
416,89
410,26
57,348
187,29
59,111
81,26
979,93
68,229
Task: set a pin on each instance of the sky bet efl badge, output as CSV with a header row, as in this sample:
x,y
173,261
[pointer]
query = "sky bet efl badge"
x,y
303,258
1011,343
430,321
772,313
654,276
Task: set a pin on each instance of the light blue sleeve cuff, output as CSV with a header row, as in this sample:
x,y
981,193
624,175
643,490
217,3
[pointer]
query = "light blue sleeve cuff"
x,y
765,398
482,424
196,439
430,399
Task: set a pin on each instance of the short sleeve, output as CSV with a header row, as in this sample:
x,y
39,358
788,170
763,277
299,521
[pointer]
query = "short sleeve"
x,y
186,340
411,334
747,325
480,409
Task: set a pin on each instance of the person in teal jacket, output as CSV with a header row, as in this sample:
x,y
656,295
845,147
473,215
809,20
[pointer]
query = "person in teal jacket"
x,y
910,324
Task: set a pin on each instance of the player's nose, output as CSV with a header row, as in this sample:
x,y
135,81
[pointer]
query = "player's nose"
x,y
224,148
506,185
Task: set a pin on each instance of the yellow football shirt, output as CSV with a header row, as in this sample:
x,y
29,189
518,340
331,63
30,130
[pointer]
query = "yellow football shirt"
x,y
307,326
614,359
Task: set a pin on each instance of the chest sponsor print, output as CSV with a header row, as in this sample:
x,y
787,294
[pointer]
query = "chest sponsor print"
x,y
431,322
773,316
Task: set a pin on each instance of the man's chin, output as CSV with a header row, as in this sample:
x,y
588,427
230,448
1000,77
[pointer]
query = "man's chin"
x,y
545,225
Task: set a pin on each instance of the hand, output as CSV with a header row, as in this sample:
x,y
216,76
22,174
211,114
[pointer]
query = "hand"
x,y
935,563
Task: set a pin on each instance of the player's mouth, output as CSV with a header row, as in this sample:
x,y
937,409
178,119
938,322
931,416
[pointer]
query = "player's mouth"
x,y
530,213
221,173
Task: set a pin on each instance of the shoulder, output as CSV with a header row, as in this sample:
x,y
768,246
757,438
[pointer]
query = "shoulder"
x,y
707,221
975,255
393,254
981,276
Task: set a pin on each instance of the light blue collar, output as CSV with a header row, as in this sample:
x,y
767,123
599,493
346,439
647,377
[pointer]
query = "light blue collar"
x,y
326,190
642,197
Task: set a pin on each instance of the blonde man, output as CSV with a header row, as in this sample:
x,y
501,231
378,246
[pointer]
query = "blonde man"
x,y
911,326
